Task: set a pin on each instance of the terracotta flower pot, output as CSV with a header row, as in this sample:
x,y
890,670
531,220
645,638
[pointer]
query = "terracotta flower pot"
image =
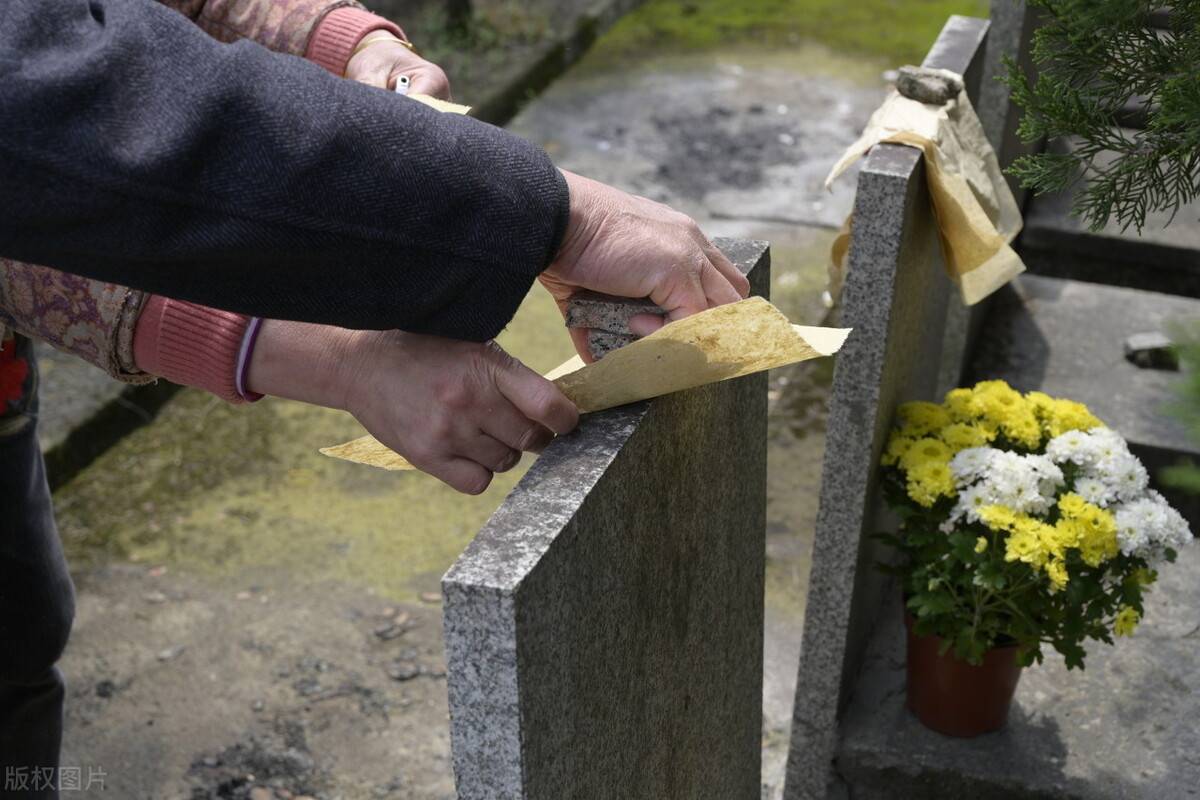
x,y
956,698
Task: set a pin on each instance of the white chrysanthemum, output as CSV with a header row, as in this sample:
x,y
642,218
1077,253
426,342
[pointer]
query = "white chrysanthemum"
x,y
1146,527
970,464
985,476
1087,449
1095,491
1072,446
1125,475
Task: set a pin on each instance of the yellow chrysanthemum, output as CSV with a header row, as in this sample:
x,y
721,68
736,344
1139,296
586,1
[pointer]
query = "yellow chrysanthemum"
x,y
924,451
981,544
920,418
959,403
897,446
1022,426
1092,529
1067,415
1025,545
960,436
1056,571
1126,621
929,481
998,518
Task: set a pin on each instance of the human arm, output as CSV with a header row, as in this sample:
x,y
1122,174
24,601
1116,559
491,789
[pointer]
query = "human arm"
x,y
146,154
460,411
326,32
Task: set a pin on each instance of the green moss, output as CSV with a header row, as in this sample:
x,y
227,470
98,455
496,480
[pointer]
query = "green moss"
x,y
898,31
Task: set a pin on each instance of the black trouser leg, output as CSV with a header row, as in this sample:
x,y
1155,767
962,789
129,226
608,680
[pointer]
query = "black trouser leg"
x,y
37,606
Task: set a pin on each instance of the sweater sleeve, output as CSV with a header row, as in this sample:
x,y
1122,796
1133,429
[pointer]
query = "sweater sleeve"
x,y
286,27
90,319
145,153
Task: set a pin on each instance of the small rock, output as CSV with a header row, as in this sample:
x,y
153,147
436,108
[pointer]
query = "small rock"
x,y
154,597
431,597
257,705
243,595
157,572
1152,350
261,793
105,689
210,761
170,652
390,631
403,670
925,85
388,612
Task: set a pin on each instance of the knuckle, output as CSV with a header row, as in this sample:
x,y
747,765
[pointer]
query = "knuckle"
x,y
529,438
422,454
452,394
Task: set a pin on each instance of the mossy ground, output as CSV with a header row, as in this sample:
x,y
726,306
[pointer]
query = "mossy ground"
x,y
896,31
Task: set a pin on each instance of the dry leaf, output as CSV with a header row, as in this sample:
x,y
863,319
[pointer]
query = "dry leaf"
x,y
715,345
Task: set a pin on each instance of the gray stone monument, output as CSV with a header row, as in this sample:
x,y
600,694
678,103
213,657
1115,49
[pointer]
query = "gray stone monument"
x,y
910,337
604,630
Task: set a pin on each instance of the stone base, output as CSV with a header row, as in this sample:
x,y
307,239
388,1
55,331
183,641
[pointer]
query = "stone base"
x,y
1124,728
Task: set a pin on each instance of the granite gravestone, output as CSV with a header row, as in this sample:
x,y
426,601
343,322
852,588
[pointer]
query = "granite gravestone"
x,y
604,630
910,338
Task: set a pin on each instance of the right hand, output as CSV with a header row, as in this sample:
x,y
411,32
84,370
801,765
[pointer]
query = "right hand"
x,y
629,246
460,411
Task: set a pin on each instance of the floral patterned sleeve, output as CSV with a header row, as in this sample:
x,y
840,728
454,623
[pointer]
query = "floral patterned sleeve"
x,y
86,318
281,25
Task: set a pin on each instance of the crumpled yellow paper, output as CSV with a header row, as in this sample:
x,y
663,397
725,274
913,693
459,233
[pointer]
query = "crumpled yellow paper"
x,y
715,345
976,213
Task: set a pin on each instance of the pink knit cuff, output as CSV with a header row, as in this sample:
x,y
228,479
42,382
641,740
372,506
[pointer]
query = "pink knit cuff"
x,y
191,345
339,32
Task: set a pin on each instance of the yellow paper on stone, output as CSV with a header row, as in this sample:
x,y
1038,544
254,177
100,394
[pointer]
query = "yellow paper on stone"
x,y
715,345
977,215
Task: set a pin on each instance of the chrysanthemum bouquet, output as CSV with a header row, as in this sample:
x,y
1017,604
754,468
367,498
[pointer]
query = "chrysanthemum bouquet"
x,y
1023,521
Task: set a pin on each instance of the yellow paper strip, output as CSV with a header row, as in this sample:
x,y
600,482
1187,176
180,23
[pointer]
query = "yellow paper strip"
x,y
439,104
715,345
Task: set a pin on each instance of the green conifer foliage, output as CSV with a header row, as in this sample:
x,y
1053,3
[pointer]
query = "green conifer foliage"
x,y
1092,57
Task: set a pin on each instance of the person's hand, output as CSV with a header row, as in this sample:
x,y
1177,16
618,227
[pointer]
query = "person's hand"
x,y
383,62
629,246
460,411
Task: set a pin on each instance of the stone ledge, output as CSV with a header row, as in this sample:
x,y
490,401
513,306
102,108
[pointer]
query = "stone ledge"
x,y
1164,258
1123,729
1067,338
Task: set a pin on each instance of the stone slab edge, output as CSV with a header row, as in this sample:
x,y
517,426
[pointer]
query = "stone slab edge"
x,y
503,103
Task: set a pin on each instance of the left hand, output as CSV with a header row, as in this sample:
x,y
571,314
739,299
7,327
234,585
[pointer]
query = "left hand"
x,y
383,62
